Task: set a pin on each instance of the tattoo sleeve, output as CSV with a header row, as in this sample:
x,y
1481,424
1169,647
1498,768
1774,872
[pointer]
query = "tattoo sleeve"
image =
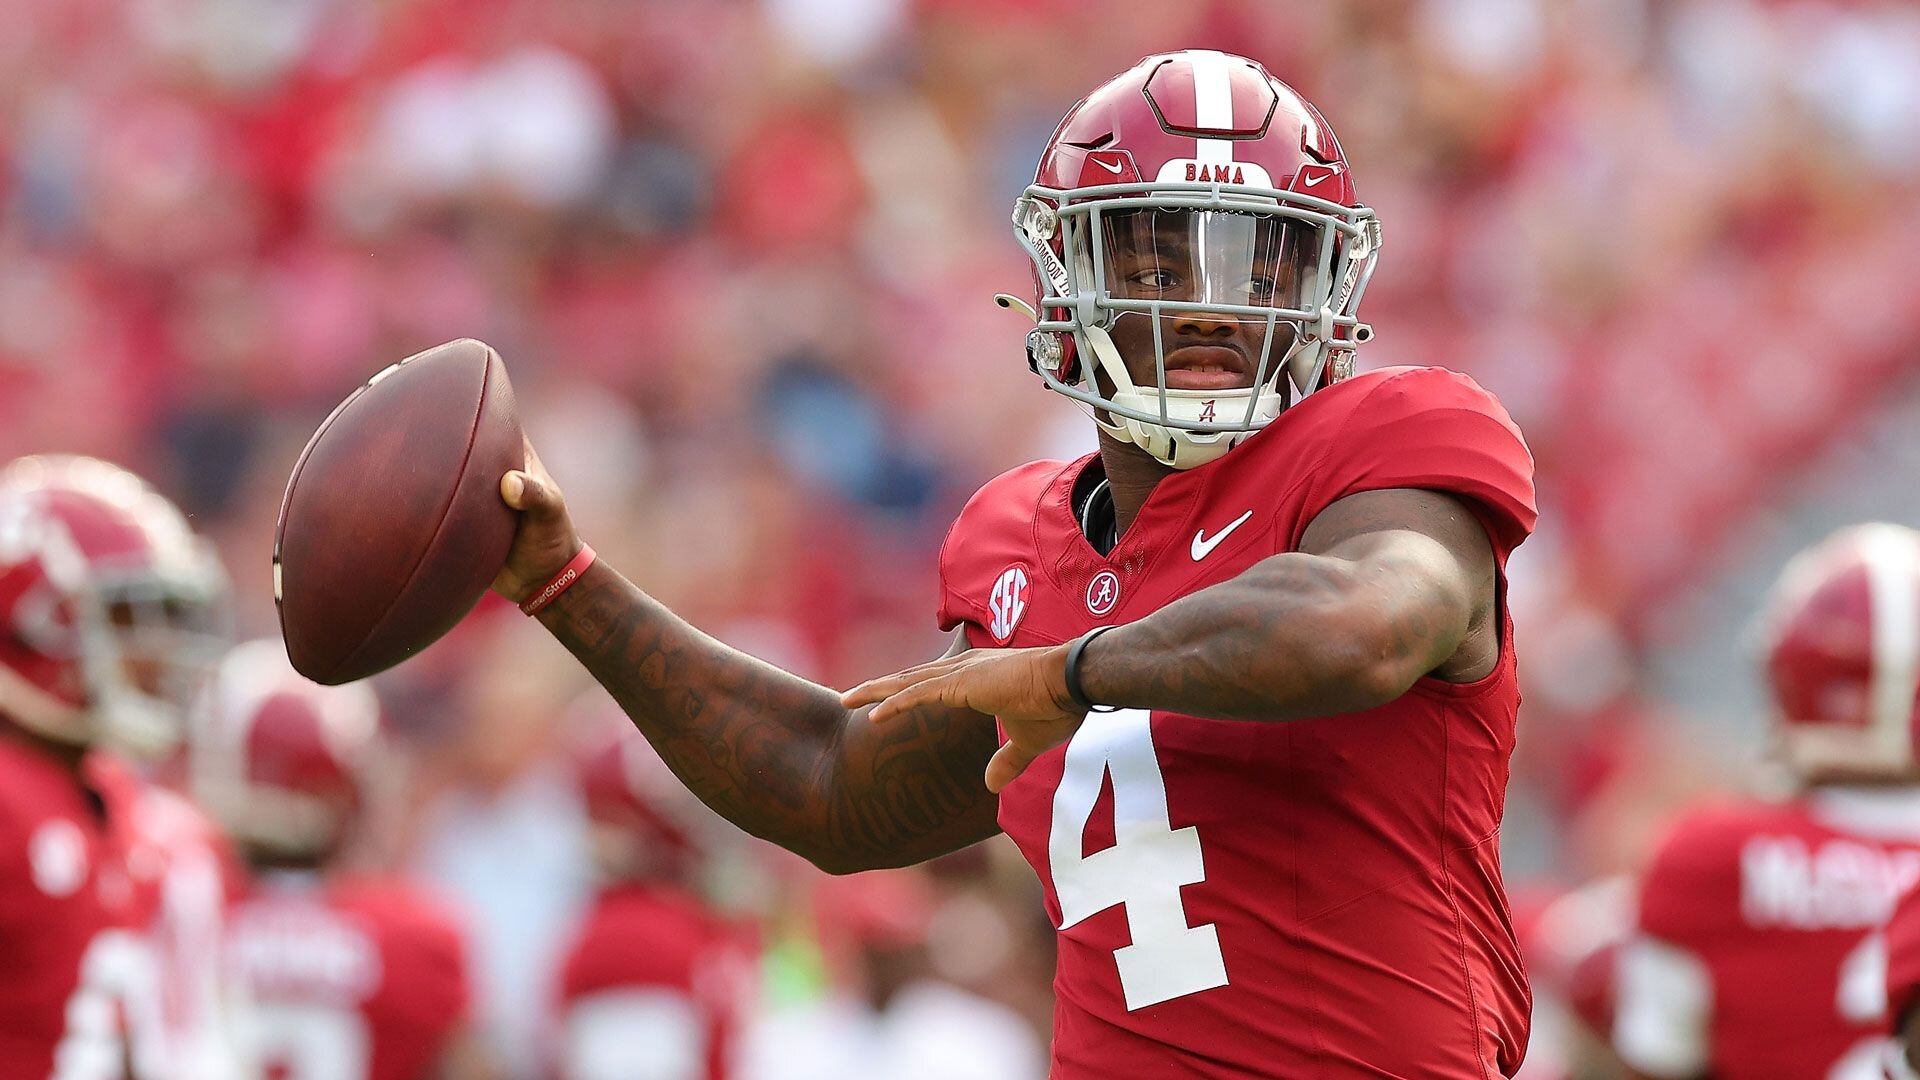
x,y
773,753
1391,586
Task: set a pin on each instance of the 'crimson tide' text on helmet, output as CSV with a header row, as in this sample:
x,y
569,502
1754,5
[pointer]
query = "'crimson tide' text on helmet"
x,y
1239,189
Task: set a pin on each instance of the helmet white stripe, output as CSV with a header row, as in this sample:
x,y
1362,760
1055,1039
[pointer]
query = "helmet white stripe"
x,y
1893,589
1212,103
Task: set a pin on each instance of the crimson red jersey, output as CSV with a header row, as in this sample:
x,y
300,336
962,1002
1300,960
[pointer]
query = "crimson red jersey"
x,y
79,993
358,979
198,874
1756,953
652,977
1317,898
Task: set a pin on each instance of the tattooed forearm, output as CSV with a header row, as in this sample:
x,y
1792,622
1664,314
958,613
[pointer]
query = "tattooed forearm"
x,y
773,753
1391,588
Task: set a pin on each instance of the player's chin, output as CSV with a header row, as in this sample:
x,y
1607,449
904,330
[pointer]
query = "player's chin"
x,y
1215,381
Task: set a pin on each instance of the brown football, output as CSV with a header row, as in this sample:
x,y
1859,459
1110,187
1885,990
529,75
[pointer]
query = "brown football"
x,y
392,527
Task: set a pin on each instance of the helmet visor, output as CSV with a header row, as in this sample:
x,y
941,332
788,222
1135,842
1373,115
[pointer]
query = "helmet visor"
x,y
1211,257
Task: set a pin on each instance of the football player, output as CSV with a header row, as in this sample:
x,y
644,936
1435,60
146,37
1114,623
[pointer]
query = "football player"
x,y
1756,952
1250,661
79,993
337,975
164,592
651,986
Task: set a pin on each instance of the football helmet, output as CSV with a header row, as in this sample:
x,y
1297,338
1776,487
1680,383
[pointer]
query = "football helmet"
x,y
1193,188
162,586
59,674
1842,639
280,761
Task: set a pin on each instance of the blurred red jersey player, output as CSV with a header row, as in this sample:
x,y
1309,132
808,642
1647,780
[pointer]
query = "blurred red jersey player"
x,y
164,593
341,976
79,997
1279,856
652,984
1756,952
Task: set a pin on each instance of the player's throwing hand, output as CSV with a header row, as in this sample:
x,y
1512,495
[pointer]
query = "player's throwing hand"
x,y
546,539
1025,688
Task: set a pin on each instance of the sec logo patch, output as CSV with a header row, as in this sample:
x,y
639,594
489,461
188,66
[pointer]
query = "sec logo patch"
x,y
1103,592
1007,603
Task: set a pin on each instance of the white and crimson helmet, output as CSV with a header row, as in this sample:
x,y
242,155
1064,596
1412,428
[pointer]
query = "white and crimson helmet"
x,y
280,761
1240,188
162,586
59,674
1842,637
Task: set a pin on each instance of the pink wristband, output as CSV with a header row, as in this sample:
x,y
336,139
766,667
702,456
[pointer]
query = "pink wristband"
x,y
561,582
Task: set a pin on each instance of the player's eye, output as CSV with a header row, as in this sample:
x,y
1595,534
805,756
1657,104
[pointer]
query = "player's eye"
x,y
1155,277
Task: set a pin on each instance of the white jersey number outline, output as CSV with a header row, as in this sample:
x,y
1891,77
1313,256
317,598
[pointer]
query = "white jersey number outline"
x,y
1144,869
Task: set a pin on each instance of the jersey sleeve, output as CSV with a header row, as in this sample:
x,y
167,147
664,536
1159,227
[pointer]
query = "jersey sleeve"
x,y
1690,893
425,952
992,534
1433,429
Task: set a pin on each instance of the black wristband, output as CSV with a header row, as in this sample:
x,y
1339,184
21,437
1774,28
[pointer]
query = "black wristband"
x,y
1075,693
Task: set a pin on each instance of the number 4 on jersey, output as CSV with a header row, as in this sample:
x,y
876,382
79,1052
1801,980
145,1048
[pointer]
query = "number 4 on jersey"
x,y
1144,869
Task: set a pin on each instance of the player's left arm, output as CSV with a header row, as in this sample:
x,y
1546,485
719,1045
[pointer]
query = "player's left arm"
x,y
1388,586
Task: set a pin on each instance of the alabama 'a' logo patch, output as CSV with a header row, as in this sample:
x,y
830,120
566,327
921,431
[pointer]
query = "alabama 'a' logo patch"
x,y
1007,602
1103,592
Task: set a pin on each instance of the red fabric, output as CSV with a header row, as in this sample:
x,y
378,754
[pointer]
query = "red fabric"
x,y
644,937
370,957
1903,959
1755,891
68,903
1351,862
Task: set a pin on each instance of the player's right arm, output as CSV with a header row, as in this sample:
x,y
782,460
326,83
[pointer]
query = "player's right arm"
x,y
771,752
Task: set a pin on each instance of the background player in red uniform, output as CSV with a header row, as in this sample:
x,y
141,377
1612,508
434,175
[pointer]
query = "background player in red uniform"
x,y
79,999
1756,953
340,976
163,591
1282,540
652,985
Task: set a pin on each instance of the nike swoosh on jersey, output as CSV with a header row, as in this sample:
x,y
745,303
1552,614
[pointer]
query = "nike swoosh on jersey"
x,y
1203,544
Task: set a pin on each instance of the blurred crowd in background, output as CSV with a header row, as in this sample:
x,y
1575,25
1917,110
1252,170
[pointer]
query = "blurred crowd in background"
x,y
739,257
